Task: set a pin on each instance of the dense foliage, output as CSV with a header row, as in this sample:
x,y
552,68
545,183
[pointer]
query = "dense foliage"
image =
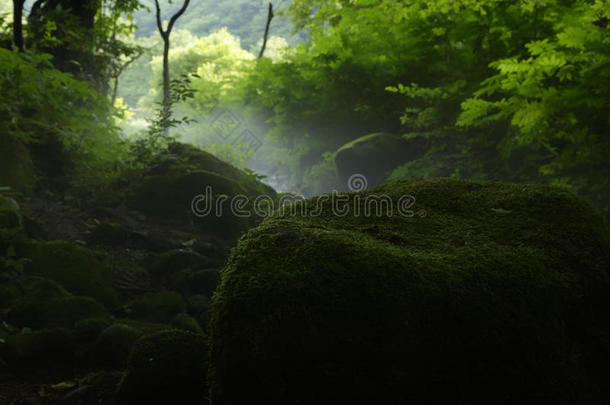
x,y
496,90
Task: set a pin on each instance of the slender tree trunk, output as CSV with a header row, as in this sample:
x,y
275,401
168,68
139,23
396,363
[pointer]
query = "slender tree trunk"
x,y
269,18
166,89
18,24
165,34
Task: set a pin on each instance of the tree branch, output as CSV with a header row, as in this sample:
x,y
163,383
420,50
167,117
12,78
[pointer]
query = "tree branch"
x,y
175,17
159,23
269,18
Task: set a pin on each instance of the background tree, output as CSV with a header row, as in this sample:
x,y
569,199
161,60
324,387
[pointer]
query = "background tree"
x,y
165,35
18,24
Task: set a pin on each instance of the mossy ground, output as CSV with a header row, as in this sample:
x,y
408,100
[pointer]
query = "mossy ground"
x,y
498,294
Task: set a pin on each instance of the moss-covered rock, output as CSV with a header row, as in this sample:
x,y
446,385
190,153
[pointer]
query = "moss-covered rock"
x,y
166,367
16,168
46,348
113,345
198,159
201,282
64,312
159,307
186,322
477,293
10,215
78,269
88,329
164,266
374,156
28,310
170,191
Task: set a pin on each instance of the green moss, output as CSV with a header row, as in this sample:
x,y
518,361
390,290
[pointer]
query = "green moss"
x,y
170,196
90,328
113,345
488,293
160,307
16,168
63,312
39,349
76,268
29,310
202,160
202,282
186,322
167,264
9,292
10,215
144,327
166,367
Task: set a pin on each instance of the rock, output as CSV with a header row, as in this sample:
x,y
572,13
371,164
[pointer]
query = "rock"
x,y
76,268
88,329
10,215
42,349
202,160
159,307
9,292
186,322
63,312
198,303
166,367
170,197
96,388
170,191
373,156
202,282
478,293
16,168
163,266
113,345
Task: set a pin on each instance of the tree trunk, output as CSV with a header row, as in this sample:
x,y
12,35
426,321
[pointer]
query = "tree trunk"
x,y
165,34
269,18
18,24
166,89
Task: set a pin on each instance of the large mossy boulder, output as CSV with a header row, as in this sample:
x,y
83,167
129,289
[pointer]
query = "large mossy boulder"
x,y
476,293
166,367
78,269
374,156
168,192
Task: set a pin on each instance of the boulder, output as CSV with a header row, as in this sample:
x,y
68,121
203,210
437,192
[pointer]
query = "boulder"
x,y
10,215
166,367
16,168
169,190
158,307
77,269
373,156
113,345
63,312
42,349
477,292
